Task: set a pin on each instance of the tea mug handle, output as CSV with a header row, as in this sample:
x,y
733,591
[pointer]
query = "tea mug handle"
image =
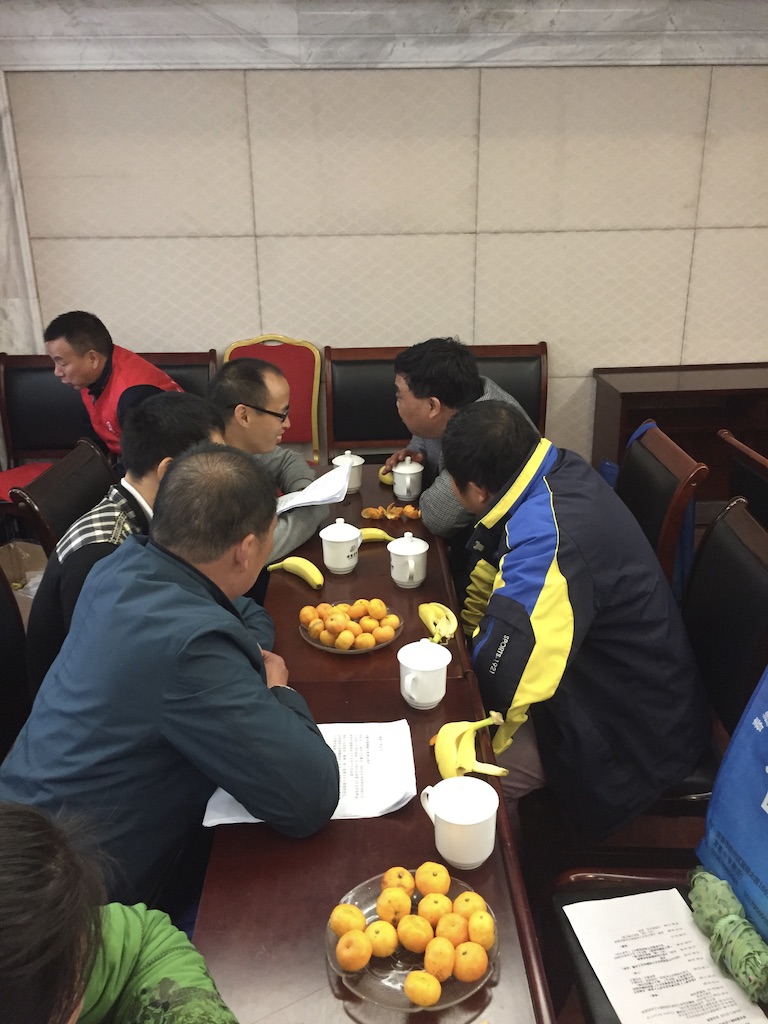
x,y
425,795
408,684
411,570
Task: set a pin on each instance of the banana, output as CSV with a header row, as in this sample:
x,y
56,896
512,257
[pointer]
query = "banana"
x,y
386,478
301,567
455,748
440,621
374,533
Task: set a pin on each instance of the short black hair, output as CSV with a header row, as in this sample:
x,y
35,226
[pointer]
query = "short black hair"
x,y
486,443
441,368
211,498
163,426
82,330
241,381
51,890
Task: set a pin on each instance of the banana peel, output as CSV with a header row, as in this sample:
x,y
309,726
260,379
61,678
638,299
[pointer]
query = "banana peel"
x,y
455,748
301,567
440,621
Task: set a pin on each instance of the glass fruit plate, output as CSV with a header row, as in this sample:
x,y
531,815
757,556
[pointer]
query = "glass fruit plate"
x,y
335,650
381,981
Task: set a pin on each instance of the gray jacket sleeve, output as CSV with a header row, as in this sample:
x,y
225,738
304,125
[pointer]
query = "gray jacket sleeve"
x,y
291,473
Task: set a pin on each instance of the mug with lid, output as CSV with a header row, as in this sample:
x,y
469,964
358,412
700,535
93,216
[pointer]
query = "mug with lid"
x,y
355,463
407,476
408,560
340,543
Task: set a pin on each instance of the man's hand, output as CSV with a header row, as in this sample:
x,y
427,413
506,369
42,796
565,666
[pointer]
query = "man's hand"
x,y
399,456
275,668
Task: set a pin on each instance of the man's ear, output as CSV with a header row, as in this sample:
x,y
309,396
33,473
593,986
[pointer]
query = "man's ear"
x,y
162,467
435,406
240,415
479,495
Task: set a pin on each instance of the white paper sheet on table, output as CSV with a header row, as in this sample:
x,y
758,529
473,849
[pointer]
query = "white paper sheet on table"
x,y
654,962
324,490
376,767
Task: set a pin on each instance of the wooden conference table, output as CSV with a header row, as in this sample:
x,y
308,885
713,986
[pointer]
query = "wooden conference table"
x,y
266,898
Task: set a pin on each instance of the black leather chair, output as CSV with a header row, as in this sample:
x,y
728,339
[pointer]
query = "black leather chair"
x,y
14,697
521,370
66,491
191,370
748,473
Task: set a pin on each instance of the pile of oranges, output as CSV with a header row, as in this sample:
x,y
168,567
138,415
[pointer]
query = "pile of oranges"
x,y
359,626
414,911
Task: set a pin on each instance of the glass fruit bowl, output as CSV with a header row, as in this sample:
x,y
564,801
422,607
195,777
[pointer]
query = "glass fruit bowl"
x,y
335,650
381,981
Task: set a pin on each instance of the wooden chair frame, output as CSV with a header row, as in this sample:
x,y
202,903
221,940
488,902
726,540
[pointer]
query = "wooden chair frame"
x,y
749,472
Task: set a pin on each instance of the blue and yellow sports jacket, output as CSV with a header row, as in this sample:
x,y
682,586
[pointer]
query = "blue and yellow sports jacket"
x,y
573,623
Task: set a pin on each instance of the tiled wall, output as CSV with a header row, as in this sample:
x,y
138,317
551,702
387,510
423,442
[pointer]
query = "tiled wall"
x,y
620,214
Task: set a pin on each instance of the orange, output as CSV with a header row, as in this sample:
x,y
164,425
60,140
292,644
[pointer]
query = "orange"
x,y
414,932
315,628
398,876
392,904
336,622
345,917
382,634
358,609
345,639
354,628
323,610
454,927
364,642
432,877
307,613
433,906
482,929
390,620
376,608
466,903
422,988
354,950
471,962
326,639
439,957
383,938
367,624
343,607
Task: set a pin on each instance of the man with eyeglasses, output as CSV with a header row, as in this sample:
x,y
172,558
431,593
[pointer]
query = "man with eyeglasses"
x,y
253,397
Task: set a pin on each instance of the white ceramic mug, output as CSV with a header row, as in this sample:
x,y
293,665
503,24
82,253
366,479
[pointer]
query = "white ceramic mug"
x,y
407,474
408,560
340,544
355,463
423,668
463,810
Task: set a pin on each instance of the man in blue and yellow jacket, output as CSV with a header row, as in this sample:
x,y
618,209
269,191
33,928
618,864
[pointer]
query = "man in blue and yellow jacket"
x,y
574,632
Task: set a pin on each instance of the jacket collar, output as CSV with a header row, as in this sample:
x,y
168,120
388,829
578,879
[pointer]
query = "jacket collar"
x,y
538,463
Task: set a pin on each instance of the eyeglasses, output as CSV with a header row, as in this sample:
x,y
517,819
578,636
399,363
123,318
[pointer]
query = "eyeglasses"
x,y
282,416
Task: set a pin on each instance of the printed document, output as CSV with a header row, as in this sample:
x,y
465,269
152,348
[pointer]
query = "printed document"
x,y
324,490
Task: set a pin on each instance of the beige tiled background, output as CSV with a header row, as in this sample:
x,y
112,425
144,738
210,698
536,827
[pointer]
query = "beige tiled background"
x,y
619,214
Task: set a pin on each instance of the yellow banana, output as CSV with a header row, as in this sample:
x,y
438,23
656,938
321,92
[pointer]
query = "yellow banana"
x,y
370,533
440,621
301,567
455,748
386,478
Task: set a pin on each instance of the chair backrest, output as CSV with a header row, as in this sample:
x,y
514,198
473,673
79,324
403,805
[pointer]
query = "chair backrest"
x,y
299,362
41,417
521,370
14,696
748,475
66,491
191,370
657,481
725,609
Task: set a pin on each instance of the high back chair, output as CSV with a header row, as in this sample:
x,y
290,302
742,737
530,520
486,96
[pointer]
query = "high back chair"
x,y
657,482
299,362
521,370
748,473
14,697
192,371
66,491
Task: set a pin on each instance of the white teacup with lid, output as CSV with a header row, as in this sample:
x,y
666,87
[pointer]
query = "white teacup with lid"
x,y
355,463
408,560
340,543
407,476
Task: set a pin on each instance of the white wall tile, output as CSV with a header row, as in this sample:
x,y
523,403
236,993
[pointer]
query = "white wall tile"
x,y
363,152
734,184
570,413
565,148
727,317
367,291
596,298
133,153
174,294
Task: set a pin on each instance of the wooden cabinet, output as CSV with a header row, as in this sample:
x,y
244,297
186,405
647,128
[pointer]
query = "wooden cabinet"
x,y
690,403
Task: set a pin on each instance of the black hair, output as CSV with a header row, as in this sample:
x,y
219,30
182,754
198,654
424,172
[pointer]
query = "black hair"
x,y
441,368
486,443
82,330
211,498
241,381
51,890
163,426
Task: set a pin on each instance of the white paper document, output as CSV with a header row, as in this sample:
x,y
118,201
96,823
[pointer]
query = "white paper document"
x,y
376,768
325,490
654,963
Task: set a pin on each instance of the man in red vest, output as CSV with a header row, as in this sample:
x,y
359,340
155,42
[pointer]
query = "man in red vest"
x,y
109,378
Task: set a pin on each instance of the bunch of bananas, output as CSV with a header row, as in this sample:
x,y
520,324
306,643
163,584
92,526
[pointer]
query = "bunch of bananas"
x,y
440,621
301,567
455,748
